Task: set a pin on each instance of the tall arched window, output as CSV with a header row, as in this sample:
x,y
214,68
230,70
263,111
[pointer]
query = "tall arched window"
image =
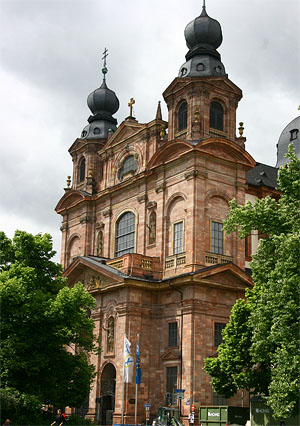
x,y
216,116
182,116
125,232
82,170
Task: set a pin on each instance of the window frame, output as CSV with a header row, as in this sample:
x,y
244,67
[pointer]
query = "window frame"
x,y
171,338
218,338
131,171
294,134
116,236
81,171
173,237
182,116
216,116
168,368
211,236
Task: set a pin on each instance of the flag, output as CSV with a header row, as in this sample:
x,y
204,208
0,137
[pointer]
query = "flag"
x,y
138,362
128,362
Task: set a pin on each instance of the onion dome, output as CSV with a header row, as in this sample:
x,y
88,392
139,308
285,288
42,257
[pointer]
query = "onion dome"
x,y
203,36
103,100
290,134
103,103
203,32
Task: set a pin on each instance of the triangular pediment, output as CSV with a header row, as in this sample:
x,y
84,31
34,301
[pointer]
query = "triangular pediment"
x,y
225,276
93,273
170,354
70,199
126,130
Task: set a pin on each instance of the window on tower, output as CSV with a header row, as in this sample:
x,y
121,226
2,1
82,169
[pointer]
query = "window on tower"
x,y
216,237
216,116
178,237
172,334
294,134
125,234
182,116
82,170
218,337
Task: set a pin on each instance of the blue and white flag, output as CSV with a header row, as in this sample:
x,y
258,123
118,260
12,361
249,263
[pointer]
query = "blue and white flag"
x,y
138,362
128,362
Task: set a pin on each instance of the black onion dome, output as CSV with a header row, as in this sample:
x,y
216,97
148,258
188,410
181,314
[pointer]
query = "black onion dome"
x,y
103,100
203,32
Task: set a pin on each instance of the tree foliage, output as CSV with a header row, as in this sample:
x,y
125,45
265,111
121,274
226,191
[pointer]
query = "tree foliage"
x,y
261,341
41,319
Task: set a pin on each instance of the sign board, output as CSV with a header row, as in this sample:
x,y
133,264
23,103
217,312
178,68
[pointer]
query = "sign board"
x,y
180,393
147,407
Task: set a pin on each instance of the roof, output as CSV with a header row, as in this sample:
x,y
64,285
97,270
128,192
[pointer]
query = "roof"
x,y
262,175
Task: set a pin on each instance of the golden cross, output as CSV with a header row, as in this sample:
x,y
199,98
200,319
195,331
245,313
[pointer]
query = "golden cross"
x,y
130,104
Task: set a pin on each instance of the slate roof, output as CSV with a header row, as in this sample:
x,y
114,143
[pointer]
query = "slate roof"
x,y
262,175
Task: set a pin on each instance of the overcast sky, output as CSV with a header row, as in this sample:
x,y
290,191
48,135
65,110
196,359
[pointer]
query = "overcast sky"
x,y
51,60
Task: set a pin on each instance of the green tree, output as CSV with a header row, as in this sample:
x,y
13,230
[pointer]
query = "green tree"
x,y
41,321
260,352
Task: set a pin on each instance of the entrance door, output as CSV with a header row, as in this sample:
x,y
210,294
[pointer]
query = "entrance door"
x,y
107,395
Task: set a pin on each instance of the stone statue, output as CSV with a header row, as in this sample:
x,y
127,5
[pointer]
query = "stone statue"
x,y
100,244
152,228
110,335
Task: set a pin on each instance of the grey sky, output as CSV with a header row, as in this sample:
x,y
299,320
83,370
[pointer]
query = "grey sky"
x,y
50,60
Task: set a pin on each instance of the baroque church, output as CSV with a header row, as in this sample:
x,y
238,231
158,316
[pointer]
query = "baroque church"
x,y
142,230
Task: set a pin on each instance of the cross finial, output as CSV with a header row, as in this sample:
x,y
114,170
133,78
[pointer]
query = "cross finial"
x,y
204,4
104,69
130,104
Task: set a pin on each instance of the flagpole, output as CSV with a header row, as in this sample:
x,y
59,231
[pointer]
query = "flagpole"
x,y
123,391
136,390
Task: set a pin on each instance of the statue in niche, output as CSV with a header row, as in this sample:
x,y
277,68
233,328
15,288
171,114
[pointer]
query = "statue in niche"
x,y
152,228
110,335
100,244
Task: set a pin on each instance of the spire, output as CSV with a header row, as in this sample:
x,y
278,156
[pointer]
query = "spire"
x,y
103,103
203,36
158,112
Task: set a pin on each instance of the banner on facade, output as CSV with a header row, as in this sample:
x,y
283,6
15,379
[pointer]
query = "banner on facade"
x,y
128,362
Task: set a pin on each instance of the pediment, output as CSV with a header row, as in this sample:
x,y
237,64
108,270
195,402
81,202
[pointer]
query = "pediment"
x,y
228,275
228,150
70,199
124,131
170,354
169,152
92,274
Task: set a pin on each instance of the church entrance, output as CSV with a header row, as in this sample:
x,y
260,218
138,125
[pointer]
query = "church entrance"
x,y
107,395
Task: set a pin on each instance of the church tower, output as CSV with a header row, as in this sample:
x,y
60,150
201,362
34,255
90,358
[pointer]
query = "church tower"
x,y
142,230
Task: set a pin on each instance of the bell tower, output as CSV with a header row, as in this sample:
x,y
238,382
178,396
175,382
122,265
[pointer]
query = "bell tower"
x,y
202,101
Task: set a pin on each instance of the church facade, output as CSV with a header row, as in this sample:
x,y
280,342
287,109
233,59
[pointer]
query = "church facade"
x,y
142,230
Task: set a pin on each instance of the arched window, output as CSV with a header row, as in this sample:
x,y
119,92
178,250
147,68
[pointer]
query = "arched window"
x,y
125,232
129,165
82,170
182,116
216,116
